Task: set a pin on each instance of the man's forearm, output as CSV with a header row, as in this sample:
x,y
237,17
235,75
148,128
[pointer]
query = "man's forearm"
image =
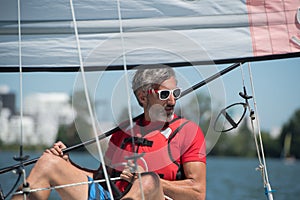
x,y
183,189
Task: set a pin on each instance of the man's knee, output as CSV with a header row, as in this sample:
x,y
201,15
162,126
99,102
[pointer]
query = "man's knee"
x,y
48,162
150,181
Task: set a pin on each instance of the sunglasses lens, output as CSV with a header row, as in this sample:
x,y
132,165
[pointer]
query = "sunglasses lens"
x,y
164,94
176,93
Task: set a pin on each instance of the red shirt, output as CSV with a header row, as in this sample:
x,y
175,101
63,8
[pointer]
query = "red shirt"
x,y
188,145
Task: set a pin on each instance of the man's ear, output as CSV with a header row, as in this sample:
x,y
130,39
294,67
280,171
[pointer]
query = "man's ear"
x,y
142,96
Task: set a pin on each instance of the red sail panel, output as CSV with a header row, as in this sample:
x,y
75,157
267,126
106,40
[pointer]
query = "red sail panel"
x,y
273,24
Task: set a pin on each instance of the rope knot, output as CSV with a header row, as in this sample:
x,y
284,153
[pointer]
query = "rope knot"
x,y
26,188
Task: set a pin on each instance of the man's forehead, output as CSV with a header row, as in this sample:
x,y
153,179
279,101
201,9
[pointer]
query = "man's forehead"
x,y
170,83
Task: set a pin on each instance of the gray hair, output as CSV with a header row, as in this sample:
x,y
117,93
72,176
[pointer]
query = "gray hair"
x,y
146,79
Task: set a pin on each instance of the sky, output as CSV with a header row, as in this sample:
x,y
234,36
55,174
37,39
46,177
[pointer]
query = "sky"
x,y
276,87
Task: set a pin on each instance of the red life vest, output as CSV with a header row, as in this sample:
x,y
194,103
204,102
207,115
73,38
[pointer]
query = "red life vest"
x,y
161,152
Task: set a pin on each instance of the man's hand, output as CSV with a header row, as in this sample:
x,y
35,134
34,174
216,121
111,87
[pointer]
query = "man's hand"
x,y
57,150
129,172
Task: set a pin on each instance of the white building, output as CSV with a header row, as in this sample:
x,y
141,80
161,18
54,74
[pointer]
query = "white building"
x,y
14,133
4,123
43,113
49,110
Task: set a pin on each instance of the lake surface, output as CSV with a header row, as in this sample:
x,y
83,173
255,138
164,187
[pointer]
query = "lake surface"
x,y
227,178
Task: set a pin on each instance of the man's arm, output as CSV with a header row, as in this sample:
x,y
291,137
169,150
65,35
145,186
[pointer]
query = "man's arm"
x,y
193,187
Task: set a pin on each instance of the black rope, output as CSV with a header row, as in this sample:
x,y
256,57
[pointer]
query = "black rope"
x,y
2,197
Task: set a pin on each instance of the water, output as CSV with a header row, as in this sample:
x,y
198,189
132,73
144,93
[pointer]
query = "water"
x,y
237,178
227,178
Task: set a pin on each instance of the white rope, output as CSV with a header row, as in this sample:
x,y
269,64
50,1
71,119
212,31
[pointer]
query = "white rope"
x,y
125,69
145,164
260,152
21,90
66,185
88,101
20,73
127,88
73,185
252,125
259,145
264,166
125,164
168,198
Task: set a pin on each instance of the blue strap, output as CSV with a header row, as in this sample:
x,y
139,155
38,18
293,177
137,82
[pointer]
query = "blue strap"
x,y
97,192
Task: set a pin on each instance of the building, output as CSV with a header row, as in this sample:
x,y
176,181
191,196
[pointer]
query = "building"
x,y
7,99
43,113
49,111
14,134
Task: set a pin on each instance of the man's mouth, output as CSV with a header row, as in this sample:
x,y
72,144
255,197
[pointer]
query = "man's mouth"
x,y
169,109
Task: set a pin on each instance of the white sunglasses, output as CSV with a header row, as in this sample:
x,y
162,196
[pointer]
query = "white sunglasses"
x,y
165,94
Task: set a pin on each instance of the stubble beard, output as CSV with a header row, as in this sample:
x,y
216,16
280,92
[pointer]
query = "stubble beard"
x,y
158,112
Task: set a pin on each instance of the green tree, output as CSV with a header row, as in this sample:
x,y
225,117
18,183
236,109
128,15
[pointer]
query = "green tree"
x,y
68,135
271,145
243,142
239,143
292,127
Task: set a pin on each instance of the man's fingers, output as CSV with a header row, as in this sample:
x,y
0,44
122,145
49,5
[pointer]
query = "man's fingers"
x,y
127,176
55,152
59,145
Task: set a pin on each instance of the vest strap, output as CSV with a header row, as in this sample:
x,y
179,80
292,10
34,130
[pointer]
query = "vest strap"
x,y
137,141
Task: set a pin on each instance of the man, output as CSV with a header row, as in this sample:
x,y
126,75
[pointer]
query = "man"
x,y
159,142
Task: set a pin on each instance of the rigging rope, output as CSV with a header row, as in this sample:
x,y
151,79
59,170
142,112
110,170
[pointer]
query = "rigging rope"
x,y
21,171
72,185
88,101
128,93
252,125
268,189
68,185
20,72
258,144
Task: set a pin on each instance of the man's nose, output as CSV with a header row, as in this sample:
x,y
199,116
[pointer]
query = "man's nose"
x,y
171,99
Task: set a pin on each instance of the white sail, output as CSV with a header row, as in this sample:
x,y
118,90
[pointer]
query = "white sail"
x,y
168,31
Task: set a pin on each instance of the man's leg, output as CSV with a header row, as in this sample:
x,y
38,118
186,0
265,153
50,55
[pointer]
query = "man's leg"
x,y
51,170
151,188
